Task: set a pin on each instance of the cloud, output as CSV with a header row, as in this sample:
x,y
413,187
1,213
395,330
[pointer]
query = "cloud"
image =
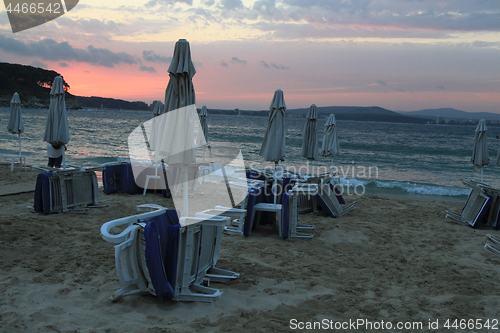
x,y
153,57
238,61
341,16
272,65
63,64
49,49
153,3
382,83
40,64
224,64
231,4
147,69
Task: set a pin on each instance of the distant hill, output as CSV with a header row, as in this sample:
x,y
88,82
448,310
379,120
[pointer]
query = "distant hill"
x,y
358,113
450,113
33,85
110,103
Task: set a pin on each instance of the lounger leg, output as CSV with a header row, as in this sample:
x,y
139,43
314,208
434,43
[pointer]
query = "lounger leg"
x,y
221,275
126,291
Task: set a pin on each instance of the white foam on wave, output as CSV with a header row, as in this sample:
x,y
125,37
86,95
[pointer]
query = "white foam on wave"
x,y
405,187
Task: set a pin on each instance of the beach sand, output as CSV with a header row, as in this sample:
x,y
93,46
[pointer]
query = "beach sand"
x,y
390,259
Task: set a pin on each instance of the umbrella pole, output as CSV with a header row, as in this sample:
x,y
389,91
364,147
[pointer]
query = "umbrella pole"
x,y
185,194
19,135
481,175
64,159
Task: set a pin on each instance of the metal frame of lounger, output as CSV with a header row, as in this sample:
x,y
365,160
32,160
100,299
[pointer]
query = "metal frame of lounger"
x,y
195,267
309,203
477,202
492,244
494,211
71,190
236,215
332,202
294,228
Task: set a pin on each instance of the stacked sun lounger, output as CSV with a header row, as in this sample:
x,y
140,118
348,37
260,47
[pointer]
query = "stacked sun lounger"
x,y
172,258
492,244
476,206
63,190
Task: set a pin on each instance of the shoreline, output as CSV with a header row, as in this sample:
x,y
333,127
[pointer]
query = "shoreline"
x,y
382,192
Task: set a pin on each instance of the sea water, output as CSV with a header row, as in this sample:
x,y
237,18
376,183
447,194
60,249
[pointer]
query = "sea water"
x,y
390,158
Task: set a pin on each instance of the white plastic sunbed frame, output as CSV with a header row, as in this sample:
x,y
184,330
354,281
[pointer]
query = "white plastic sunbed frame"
x,y
195,270
331,200
474,205
492,244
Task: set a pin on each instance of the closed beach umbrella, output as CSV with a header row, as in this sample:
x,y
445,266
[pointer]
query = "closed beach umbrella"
x,y
330,146
273,146
480,156
176,142
57,129
158,109
15,124
203,123
310,140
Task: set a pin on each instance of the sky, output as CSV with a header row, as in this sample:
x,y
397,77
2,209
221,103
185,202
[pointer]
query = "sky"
x,y
397,54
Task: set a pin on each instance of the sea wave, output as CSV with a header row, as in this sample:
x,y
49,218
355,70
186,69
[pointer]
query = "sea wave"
x,y
402,188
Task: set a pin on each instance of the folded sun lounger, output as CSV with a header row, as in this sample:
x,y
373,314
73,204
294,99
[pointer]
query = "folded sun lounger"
x,y
174,258
475,208
331,201
492,244
61,191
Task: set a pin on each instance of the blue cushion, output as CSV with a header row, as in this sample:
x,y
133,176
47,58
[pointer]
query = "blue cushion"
x,y
254,197
337,194
285,223
162,244
42,194
323,205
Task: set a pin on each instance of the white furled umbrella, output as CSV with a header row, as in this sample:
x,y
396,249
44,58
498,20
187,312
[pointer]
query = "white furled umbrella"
x,y
176,143
273,146
204,124
480,156
330,146
202,139
57,129
158,109
15,124
310,139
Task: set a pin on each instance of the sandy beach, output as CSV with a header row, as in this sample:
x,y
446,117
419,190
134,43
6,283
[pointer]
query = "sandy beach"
x,y
390,259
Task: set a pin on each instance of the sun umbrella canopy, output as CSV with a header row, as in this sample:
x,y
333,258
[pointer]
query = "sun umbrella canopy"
x,y
204,124
176,139
15,124
330,143
57,129
158,108
480,156
310,140
273,146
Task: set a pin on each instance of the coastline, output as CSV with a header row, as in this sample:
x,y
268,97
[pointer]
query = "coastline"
x,y
391,259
